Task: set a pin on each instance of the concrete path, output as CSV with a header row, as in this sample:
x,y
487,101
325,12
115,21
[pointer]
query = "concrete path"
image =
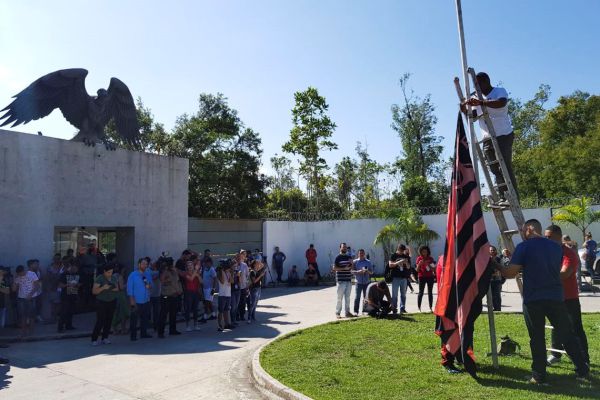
x,y
199,365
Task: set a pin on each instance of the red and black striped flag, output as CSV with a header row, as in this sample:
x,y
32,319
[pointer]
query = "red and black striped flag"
x,y
465,276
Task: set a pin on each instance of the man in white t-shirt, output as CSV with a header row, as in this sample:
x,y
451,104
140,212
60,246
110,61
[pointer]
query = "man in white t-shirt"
x,y
496,101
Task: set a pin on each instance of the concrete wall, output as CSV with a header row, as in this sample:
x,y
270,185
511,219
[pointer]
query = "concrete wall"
x,y
293,238
224,236
47,182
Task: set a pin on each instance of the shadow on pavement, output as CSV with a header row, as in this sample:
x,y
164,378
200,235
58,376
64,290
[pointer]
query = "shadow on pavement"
x,y
514,378
39,354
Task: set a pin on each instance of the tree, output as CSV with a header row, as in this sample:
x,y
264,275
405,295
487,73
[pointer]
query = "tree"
x,y
578,213
345,179
224,159
413,230
387,237
408,227
153,137
309,136
284,173
415,123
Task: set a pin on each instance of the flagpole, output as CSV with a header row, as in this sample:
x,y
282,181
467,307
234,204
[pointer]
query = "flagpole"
x,y
473,137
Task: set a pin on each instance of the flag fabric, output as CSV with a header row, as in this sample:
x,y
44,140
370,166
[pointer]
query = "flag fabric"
x,y
465,275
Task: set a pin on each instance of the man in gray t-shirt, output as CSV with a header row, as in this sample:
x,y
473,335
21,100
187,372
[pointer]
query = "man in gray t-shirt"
x,y
362,269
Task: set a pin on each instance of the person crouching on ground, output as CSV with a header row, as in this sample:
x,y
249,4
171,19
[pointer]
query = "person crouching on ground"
x,y
311,276
105,289
293,277
374,303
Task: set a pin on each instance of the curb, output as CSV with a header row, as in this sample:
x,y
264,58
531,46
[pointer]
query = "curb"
x,y
269,386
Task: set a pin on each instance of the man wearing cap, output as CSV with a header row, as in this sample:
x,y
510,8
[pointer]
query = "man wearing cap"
x,y
496,101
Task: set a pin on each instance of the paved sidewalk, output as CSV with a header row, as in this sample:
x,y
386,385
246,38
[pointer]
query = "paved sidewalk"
x,y
199,365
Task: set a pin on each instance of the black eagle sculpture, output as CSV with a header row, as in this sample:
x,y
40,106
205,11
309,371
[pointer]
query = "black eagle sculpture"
x,y
65,90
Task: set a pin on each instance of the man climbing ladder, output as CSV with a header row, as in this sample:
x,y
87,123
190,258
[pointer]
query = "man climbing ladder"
x,y
496,101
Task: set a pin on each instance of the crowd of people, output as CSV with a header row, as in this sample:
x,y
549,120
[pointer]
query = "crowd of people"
x,y
151,296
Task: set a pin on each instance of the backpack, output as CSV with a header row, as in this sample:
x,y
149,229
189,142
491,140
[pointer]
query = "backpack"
x,y
508,347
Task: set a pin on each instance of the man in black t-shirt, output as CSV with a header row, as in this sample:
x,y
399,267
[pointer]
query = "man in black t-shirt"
x,y
69,283
343,276
399,265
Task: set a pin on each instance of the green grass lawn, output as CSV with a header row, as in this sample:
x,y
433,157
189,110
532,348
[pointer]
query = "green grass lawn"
x,y
392,359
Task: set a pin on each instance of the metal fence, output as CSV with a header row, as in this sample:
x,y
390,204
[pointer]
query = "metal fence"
x,y
307,216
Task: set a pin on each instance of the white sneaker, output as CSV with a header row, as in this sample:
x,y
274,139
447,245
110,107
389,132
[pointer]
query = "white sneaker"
x,y
552,360
249,321
106,341
188,328
95,343
197,327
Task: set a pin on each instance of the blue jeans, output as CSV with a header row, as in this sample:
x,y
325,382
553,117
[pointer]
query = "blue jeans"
x,y
344,288
235,303
360,288
402,284
254,297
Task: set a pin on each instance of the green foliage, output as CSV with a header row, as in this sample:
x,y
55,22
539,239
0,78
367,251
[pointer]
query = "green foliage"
x,y
284,173
409,228
556,151
374,359
286,201
578,213
415,123
153,137
310,135
224,160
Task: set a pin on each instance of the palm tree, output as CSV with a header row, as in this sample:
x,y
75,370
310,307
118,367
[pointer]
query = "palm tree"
x,y
387,237
412,228
409,227
578,213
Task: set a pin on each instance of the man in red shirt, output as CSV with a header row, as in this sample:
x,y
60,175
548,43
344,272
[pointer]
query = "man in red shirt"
x,y
568,276
311,258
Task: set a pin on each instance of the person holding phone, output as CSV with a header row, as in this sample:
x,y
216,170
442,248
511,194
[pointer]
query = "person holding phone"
x,y
139,284
105,289
191,295
362,269
399,266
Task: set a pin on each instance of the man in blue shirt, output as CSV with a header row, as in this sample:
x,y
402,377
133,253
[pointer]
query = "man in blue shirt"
x,y
590,247
139,285
278,259
540,260
362,269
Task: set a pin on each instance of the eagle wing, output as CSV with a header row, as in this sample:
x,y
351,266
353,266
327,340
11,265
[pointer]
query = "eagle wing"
x,y
63,89
121,108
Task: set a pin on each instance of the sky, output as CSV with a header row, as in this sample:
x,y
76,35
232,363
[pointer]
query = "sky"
x,y
258,53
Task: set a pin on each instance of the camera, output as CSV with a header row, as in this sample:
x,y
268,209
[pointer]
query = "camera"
x,y
225,263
